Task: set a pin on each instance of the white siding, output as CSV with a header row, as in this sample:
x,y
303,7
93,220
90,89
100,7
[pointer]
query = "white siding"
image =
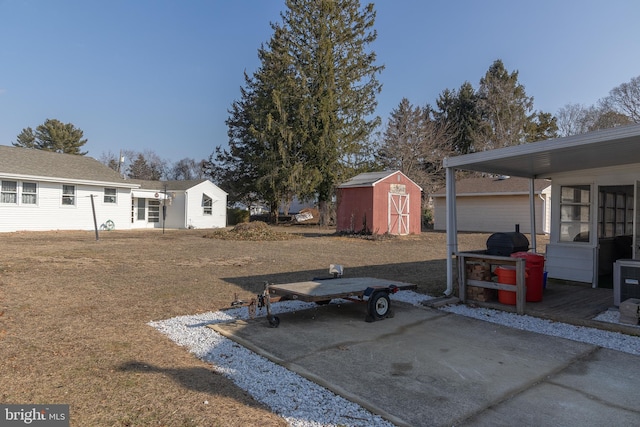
x,y
491,214
50,214
194,212
176,212
570,262
579,262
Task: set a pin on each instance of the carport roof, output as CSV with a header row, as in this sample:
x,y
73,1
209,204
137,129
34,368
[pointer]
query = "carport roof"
x,y
610,147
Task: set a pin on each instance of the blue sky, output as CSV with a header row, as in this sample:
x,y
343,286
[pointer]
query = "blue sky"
x,y
160,75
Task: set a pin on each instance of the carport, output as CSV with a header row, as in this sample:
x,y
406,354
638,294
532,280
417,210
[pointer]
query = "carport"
x,y
592,161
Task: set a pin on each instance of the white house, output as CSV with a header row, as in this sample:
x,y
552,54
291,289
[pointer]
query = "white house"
x,y
595,198
42,190
495,203
178,204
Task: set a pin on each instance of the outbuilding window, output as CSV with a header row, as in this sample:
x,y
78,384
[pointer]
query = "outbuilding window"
x,y
207,203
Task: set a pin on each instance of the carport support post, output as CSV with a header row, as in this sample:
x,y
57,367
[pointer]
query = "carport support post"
x,y
532,208
452,226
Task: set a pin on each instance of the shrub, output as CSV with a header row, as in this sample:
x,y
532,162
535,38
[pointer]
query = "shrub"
x,y
237,216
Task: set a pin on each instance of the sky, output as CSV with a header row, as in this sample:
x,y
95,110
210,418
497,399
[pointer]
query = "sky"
x,y
161,75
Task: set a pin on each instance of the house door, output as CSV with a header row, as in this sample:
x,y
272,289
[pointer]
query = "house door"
x,y
138,210
636,221
398,213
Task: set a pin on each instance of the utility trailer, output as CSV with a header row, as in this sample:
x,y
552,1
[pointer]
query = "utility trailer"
x,y
367,290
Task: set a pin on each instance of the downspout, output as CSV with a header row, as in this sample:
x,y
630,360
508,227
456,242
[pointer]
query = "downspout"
x,y
532,208
452,226
544,201
186,209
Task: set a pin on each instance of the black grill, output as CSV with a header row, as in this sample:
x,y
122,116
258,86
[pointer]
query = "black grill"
x,y
504,244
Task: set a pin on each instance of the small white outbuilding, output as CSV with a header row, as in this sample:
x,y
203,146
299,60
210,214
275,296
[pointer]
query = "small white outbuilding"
x,y
178,204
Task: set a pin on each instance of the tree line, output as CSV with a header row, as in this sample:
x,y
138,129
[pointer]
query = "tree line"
x,y
304,120
54,135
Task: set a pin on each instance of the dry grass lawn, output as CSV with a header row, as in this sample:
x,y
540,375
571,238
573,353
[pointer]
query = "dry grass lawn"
x,y
74,313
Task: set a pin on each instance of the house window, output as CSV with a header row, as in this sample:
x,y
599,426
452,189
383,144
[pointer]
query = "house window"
x,y
154,210
207,203
68,195
110,195
9,192
29,193
615,212
575,207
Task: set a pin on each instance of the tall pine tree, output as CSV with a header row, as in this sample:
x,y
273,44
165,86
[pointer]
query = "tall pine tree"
x,y
53,135
306,114
505,107
329,41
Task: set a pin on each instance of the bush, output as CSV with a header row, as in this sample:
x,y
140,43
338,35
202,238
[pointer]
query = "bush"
x,y
237,216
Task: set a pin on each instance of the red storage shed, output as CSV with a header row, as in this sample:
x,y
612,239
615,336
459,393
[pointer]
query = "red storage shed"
x,y
379,202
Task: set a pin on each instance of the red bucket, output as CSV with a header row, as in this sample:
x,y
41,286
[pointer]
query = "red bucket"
x,y
506,276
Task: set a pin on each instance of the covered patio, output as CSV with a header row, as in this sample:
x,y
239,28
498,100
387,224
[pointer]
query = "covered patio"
x,y
595,162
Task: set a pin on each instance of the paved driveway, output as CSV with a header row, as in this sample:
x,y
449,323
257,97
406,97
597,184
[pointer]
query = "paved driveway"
x,y
425,367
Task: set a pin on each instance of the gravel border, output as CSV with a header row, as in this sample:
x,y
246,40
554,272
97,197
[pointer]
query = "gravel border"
x,y
303,403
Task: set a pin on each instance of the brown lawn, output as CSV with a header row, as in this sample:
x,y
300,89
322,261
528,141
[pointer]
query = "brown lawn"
x,y
74,313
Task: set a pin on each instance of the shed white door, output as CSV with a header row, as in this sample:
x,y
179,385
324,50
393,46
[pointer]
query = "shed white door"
x,y
398,213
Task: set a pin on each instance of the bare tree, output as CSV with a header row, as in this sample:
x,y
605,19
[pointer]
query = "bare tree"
x,y
186,168
625,100
415,143
572,119
575,119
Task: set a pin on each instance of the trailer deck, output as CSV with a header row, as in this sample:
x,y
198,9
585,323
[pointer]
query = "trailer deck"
x,y
372,291
319,290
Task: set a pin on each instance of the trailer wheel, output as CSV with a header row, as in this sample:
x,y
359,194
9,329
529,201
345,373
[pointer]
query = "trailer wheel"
x,y
274,321
379,305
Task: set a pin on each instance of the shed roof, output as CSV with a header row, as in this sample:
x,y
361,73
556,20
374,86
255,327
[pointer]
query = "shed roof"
x,y
609,147
369,179
495,185
18,161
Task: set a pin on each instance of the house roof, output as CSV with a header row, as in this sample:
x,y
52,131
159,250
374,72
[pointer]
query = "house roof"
x,y
502,185
369,179
173,185
610,147
47,165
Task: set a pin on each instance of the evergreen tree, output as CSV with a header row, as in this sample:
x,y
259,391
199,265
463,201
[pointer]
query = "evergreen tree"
x,y
305,116
149,167
459,112
541,126
329,39
263,160
505,108
53,135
